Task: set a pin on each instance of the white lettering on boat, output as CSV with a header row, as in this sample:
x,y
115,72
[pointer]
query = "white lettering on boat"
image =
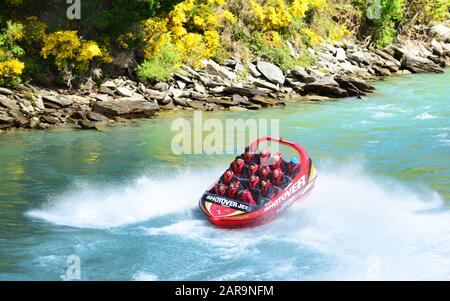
x,y
226,202
289,191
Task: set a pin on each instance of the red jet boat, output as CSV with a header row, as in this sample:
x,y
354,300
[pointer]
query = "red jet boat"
x,y
230,213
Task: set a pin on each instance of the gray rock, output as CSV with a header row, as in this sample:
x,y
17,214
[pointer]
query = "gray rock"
x,y
249,92
327,57
5,91
108,84
162,87
181,84
102,97
441,31
262,100
183,78
52,101
34,122
358,57
340,55
49,119
125,92
325,87
418,64
437,47
353,85
19,119
126,109
265,84
8,103
199,88
253,70
93,116
215,69
303,76
271,72
88,125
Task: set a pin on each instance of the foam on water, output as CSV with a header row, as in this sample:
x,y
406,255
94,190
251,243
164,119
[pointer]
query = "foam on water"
x,y
424,116
90,206
362,222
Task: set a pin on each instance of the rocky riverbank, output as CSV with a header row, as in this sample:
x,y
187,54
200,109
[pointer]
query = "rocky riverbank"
x,y
342,69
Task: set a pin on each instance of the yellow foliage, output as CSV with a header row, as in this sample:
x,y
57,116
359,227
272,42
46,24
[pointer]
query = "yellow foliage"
x,y
299,8
67,47
228,16
314,38
11,67
339,33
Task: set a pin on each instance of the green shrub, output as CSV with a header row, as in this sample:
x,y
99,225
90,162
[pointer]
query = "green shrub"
x,y
161,67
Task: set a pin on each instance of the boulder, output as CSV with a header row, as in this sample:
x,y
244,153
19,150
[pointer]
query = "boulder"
x,y
253,70
215,69
266,84
271,72
437,47
56,102
262,100
5,91
418,64
49,119
88,125
358,57
325,87
353,85
19,119
441,32
93,116
126,108
8,103
243,91
340,55
303,76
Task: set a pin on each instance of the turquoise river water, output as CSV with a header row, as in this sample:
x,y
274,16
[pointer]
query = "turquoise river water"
x,y
123,203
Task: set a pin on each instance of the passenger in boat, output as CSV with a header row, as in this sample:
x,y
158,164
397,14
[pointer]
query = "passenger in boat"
x,y
238,167
293,167
249,156
278,162
245,196
253,182
228,177
264,172
219,189
263,157
278,179
266,189
232,190
252,170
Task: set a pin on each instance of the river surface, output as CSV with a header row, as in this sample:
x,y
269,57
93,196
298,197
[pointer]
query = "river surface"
x,y
126,206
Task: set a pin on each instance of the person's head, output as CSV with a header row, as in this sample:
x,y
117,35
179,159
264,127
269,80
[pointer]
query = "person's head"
x,y
253,178
294,160
229,172
265,152
253,166
263,182
239,160
265,169
222,187
233,185
276,172
247,150
276,158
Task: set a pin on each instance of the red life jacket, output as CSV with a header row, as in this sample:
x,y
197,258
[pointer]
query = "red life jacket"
x,y
265,189
231,193
277,181
238,169
254,184
217,191
253,172
227,179
248,158
247,197
293,168
277,165
267,169
264,159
